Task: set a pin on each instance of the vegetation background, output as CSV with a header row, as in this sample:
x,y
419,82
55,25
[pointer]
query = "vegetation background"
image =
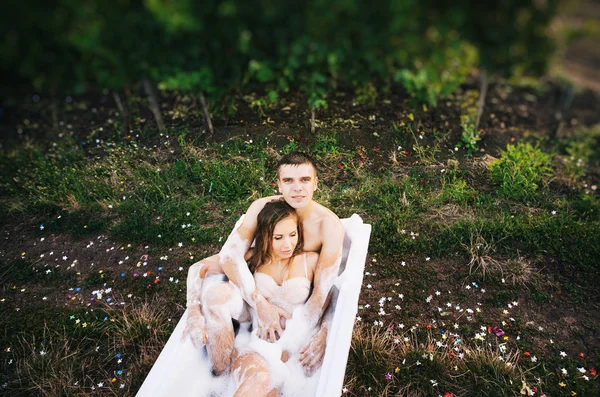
x,y
135,133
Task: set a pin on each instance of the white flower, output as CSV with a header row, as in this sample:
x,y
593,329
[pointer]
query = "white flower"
x,y
563,354
180,245
564,371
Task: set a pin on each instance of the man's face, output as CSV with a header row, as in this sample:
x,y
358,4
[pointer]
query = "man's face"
x,y
297,183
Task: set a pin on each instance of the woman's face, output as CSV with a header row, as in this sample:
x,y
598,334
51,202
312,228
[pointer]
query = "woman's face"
x,y
285,238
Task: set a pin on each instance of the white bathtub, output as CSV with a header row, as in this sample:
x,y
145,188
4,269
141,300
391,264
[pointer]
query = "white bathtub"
x,y
182,370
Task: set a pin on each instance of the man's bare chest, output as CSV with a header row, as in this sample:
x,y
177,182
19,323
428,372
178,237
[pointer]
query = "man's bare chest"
x,y
313,241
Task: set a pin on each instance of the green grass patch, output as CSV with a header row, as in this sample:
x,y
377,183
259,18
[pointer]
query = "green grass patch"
x,y
520,172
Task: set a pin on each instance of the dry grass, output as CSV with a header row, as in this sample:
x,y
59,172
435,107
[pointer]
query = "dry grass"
x,y
141,328
64,363
480,250
519,271
450,213
430,364
490,371
59,365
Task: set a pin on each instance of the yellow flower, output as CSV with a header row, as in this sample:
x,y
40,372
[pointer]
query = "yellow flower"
x,y
397,370
562,384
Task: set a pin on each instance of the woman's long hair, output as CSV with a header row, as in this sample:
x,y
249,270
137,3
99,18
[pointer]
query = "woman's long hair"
x,y
272,213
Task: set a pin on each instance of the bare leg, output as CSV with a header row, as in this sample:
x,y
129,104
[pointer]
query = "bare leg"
x,y
222,302
196,324
252,377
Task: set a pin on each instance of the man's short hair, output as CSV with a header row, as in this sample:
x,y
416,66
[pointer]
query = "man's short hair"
x,y
296,158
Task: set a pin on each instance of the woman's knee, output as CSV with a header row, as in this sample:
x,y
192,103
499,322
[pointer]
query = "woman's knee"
x,y
217,294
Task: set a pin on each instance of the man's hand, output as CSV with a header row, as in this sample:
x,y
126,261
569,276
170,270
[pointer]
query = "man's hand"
x,y
311,356
271,320
195,327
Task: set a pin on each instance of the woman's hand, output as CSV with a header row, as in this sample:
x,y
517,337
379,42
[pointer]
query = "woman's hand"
x,y
270,324
311,356
195,327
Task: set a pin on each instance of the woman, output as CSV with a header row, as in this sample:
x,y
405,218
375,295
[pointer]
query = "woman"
x,y
283,274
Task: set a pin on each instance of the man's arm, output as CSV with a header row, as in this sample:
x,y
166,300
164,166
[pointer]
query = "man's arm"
x,y
311,356
327,268
235,267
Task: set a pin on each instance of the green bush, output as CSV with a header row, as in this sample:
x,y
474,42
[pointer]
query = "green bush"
x,y
520,171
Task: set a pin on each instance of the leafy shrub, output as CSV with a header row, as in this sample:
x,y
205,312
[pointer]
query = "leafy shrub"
x,y
437,75
520,171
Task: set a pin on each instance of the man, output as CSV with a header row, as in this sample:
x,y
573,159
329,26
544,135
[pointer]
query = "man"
x,y
323,233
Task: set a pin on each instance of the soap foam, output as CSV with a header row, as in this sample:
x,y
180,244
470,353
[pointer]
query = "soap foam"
x,y
289,377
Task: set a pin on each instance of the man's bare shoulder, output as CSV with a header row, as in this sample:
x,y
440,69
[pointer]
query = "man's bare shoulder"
x,y
325,213
331,229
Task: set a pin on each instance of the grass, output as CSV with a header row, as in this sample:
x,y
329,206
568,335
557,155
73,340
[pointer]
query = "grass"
x,y
524,228
106,353
520,171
